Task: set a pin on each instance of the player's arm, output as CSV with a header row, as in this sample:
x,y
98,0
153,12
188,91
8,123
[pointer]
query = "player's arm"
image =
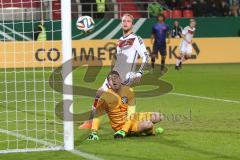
x,y
169,37
142,51
96,121
183,35
152,38
131,104
152,35
180,32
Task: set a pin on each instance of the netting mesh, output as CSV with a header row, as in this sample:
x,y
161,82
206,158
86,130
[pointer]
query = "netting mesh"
x,y
28,57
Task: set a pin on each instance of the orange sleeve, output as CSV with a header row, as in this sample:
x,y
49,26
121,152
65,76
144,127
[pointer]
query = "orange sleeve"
x,y
131,97
131,103
98,113
100,106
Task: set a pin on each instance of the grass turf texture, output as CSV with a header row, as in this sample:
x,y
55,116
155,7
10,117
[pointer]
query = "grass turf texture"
x,y
194,128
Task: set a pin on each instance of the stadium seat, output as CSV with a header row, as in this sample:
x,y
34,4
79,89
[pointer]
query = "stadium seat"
x,y
187,13
176,14
167,13
131,7
20,3
56,11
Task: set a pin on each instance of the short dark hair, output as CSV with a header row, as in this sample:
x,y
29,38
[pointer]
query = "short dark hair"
x,y
161,15
112,73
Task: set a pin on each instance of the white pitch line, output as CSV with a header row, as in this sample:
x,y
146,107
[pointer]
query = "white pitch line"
x,y
206,98
85,155
50,145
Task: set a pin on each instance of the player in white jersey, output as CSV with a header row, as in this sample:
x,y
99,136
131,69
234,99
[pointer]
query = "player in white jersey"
x,y
129,47
186,44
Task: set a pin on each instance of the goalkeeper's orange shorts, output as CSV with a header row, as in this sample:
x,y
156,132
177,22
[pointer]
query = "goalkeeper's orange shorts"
x,y
136,118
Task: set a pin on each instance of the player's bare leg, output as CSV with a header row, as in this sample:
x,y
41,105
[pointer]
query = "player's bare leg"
x,y
156,117
153,57
148,126
145,126
162,68
180,60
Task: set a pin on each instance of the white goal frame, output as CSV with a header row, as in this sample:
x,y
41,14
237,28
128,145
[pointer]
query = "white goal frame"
x,y
68,127
67,56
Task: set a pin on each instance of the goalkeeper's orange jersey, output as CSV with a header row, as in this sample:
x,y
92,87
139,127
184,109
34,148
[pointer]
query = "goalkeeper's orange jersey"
x,y
116,105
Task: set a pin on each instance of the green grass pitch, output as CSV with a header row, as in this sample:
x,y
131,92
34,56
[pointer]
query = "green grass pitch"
x,y
202,117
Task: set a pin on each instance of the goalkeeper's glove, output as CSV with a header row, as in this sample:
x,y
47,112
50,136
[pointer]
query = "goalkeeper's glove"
x,y
93,136
119,134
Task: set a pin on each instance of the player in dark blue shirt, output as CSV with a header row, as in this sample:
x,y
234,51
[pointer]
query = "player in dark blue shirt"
x,y
160,32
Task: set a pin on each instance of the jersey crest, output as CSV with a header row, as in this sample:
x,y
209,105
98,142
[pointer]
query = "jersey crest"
x,y
126,43
124,100
190,32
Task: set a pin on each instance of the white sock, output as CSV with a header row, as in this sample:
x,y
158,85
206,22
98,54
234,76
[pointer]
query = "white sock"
x,y
183,59
178,62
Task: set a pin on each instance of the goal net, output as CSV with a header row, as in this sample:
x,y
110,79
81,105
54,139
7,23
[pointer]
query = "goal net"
x,y
30,50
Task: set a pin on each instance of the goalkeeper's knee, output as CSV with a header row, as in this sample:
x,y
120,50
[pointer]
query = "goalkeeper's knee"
x,y
156,117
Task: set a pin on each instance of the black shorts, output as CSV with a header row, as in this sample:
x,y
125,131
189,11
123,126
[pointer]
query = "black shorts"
x,y
160,48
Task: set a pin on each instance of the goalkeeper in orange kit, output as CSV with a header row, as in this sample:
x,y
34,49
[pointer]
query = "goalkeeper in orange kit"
x,y
119,104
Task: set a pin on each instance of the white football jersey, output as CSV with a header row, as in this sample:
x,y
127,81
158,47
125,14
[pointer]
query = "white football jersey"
x,y
128,49
188,32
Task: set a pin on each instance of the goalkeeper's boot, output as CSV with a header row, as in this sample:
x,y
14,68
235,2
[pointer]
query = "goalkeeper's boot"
x,y
119,134
93,136
159,130
154,131
86,125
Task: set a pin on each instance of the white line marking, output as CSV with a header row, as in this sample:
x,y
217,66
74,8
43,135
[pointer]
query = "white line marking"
x,y
48,144
85,155
30,150
7,36
206,98
113,32
25,137
17,33
138,24
97,32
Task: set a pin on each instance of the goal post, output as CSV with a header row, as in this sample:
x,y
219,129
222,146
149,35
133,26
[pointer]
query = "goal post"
x,y
67,68
28,119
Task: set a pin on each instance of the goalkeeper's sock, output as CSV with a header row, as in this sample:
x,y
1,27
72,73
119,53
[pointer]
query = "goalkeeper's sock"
x,y
88,124
95,124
